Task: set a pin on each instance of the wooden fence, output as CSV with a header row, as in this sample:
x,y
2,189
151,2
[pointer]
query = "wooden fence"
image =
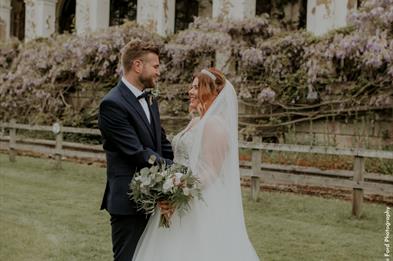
x,y
57,147
357,180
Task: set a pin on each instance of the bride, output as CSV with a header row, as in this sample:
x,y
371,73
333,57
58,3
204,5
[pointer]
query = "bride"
x,y
214,229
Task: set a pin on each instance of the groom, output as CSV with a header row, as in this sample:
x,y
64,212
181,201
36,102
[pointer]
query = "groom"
x,y
129,122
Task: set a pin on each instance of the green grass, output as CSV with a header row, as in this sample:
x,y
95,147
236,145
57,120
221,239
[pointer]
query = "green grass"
x,y
285,226
53,215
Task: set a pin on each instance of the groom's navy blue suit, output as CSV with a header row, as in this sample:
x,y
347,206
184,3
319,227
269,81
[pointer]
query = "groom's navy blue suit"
x,y
128,140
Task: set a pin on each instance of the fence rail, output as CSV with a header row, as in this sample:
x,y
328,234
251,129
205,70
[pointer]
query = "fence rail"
x,y
356,152
259,172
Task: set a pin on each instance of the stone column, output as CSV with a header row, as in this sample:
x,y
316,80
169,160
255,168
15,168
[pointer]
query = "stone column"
x,y
99,14
205,8
91,15
157,15
233,10
40,18
82,16
326,15
5,19
342,10
2,31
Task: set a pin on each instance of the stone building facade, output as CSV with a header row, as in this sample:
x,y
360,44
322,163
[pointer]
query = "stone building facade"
x,y
30,19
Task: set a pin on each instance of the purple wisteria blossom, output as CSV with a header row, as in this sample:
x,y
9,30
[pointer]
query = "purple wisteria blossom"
x,y
266,95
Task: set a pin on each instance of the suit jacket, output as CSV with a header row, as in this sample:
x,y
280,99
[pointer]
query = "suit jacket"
x,y
129,140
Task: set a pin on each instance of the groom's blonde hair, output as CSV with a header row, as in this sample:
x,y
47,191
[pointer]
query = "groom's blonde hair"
x,y
136,49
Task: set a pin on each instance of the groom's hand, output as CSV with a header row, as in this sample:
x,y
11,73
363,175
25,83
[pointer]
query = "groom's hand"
x,y
166,209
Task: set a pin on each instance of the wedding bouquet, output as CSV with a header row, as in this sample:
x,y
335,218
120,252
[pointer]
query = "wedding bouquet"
x,y
174,184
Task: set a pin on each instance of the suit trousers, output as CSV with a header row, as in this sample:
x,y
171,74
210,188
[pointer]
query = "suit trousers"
x,y
126,231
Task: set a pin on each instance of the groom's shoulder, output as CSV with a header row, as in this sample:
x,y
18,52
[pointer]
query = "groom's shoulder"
x,y
112,95
111,99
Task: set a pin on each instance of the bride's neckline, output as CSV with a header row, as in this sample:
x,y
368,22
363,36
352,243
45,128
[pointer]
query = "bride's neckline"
x,y
191,125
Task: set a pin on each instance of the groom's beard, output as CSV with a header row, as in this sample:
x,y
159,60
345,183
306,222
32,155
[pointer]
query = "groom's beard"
x,y
147,82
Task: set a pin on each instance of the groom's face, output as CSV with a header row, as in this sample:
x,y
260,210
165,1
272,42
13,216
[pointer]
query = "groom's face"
x,y
150,70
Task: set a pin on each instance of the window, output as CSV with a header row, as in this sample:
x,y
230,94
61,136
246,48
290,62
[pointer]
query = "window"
x,y
184,13
66,16
121,10
18,19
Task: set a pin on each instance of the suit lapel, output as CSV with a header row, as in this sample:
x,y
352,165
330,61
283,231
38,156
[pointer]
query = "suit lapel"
x,y
134,103
155,118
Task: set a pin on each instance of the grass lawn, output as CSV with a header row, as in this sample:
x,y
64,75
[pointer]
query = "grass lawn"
x,y
53,215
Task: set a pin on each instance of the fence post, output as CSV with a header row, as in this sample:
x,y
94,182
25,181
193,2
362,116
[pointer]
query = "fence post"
x,y
12,147
358,177
256,168
56,128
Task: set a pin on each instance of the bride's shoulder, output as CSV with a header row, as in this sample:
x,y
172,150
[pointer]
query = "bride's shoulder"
x,y
193,122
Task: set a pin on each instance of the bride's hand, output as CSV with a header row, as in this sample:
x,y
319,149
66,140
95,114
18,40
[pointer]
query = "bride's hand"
x,y
166,209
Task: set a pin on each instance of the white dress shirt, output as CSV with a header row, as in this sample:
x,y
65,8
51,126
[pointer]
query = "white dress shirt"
x,y
138,92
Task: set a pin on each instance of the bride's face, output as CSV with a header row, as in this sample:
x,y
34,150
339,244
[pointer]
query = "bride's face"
x,y
193,94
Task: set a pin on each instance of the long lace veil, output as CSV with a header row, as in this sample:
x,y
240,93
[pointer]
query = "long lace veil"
x,y
215,139
214,157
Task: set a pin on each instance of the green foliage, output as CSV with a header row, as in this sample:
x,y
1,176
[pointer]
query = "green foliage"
x,y
297,76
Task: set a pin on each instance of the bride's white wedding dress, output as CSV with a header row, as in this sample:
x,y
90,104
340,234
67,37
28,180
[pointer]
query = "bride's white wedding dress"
x,y
214,229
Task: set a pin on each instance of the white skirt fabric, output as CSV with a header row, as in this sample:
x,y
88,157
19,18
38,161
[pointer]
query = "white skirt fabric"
x,y
202,234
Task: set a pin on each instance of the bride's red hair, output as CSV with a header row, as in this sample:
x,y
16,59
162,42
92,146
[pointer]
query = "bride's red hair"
x,y
208,88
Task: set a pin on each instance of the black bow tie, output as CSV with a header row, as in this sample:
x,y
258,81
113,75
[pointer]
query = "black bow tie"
x,y
144,95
